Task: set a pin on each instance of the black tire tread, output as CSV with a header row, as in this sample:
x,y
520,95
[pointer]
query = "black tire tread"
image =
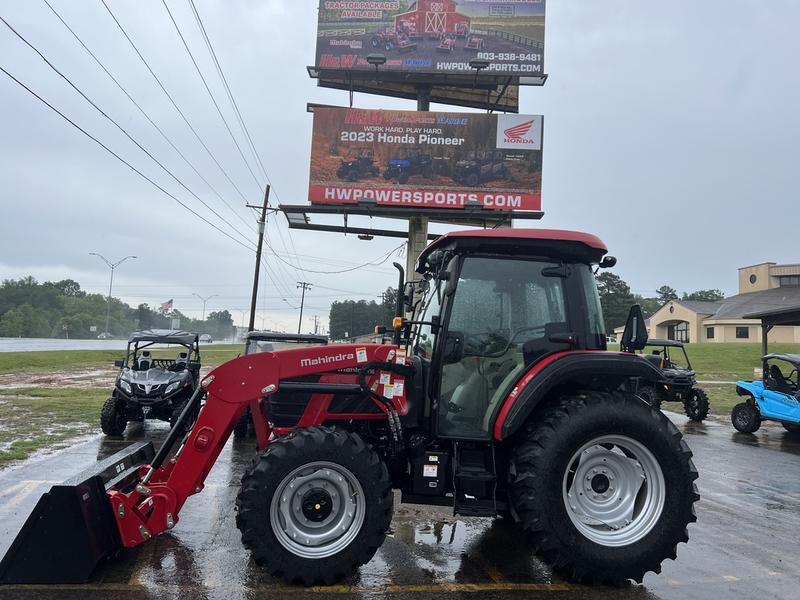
x,y
112,420
703,405
532,463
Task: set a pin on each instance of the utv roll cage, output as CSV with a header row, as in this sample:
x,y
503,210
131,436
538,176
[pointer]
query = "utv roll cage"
x,y
664,355
141,340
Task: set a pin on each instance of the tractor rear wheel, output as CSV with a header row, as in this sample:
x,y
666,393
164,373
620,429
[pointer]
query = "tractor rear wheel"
x,y
745,417
604,487
315,505
112,418
649,394
696,405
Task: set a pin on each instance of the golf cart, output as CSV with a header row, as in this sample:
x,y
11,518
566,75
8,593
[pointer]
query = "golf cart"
x,y
773,398
679,380
268,341
360,164
409,162
152,388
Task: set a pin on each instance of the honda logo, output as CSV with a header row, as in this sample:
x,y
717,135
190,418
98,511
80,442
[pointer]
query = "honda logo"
x,y
519,132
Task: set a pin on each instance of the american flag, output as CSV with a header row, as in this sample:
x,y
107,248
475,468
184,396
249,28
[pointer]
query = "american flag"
x,y
165,306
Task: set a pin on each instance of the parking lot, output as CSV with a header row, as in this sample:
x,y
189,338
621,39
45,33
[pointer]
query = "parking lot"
x,y
743,545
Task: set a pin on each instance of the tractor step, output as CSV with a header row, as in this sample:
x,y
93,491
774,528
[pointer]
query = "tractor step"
x,y
72,527
475,480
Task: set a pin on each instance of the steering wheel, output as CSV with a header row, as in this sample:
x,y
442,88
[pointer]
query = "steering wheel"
x,y
484,339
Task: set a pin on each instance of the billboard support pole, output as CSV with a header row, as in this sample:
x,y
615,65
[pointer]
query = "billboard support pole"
x,y
417,226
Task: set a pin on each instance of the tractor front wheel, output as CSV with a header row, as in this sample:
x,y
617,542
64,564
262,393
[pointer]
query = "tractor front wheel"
x,y
745,417
315,506
112,418
696,405
604,487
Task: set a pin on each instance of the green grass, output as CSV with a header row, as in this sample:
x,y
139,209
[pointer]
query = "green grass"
x,y
37,418
59,360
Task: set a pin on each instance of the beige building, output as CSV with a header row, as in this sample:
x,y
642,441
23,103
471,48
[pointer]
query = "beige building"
x,y
763,287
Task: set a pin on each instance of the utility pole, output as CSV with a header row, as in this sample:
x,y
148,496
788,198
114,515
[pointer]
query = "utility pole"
x,y
111,266
261,223
204,303
316,324
304,285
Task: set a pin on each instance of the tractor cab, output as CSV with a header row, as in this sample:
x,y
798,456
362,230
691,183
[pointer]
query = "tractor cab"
x,y
493,310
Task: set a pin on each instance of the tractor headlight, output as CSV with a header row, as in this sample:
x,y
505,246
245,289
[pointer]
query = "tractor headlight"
x,y
126,387
172,387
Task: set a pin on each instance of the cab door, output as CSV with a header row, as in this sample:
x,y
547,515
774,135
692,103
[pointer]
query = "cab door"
x,y
500,321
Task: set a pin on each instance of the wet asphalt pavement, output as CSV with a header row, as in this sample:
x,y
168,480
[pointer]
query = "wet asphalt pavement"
x,y
744,544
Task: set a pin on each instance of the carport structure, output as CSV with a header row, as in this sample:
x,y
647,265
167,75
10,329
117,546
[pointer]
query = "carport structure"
x,y
770,318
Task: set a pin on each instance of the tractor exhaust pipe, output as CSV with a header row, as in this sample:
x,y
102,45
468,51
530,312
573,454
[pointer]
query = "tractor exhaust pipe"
x,y
399,304
73,527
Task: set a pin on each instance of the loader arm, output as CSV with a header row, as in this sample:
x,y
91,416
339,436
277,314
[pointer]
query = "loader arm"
x,y
152,507
121,502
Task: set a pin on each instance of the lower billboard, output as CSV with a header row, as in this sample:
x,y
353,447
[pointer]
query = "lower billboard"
x,y
426,159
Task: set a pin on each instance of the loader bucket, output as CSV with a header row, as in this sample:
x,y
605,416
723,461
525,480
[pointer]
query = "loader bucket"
x,y
72,528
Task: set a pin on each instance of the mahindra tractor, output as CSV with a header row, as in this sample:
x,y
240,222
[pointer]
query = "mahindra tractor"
x,y
497,398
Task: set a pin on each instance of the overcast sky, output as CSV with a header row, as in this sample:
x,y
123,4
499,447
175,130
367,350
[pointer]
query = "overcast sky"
x,y
671,132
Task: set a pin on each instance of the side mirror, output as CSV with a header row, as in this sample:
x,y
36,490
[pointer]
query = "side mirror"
x,y
119,363
635,335
408,296
453,348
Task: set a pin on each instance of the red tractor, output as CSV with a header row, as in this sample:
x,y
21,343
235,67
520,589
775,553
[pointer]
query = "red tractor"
x,y
498,398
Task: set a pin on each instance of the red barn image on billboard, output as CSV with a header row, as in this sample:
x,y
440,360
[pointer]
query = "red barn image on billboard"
x,y
426,159
436,36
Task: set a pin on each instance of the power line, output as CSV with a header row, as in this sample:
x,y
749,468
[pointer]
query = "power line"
x,y
118,157
146,116
376,262
117,125
210,95
180,112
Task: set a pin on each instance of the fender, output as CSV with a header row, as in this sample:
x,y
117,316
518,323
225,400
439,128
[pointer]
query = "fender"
x,y
750,388
561,367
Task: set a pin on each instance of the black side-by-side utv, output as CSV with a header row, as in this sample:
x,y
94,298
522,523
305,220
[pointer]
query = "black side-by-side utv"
x,y
152,388
679,380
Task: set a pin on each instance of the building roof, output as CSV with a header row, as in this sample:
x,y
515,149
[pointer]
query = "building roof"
x,y
700,307
746,306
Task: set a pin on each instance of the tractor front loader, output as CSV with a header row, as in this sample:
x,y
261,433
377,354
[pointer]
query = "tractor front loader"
x,y
497,398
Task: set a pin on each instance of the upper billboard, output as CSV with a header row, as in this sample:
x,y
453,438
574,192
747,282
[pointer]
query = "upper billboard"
x,y
419,160
433,36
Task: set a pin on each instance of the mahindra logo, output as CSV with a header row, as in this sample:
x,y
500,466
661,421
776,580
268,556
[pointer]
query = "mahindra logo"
x,y
516,134
324,360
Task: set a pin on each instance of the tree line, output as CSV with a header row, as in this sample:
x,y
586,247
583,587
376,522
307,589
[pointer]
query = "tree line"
x,y
616,299
60,309
352,318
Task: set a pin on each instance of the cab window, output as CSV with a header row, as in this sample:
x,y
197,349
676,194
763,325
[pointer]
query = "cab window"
x,y
505,311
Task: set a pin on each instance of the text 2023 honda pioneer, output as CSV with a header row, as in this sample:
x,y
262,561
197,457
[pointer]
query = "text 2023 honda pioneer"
x,y
152,388
503,401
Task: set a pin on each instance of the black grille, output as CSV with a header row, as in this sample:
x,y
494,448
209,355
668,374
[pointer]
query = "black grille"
x,y
284,409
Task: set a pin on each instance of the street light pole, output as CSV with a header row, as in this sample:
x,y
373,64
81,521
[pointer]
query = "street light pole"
x,y
112,266
204,303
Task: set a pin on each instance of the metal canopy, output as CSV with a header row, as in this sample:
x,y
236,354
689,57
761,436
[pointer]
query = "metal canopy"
x,y
770,318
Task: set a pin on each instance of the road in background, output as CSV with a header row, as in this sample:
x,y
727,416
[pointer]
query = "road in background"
x,y
743,545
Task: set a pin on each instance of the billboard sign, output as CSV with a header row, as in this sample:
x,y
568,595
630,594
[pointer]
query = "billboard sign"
x,y
414,160
433,36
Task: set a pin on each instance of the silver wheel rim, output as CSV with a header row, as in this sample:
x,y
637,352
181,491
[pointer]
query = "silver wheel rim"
x,y
324,486
613,490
